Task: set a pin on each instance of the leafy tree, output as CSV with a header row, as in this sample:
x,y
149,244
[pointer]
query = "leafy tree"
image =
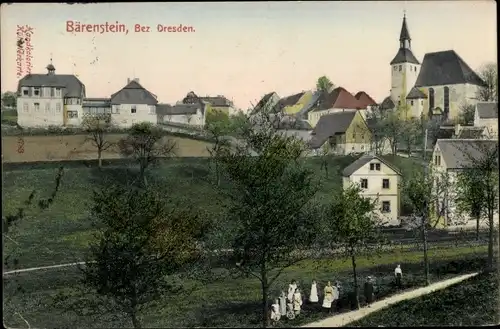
x,y
351,223
9,99
146,144
425,190
411,134
97,127
466,115
393,128
477,187
376,119
271,209
139,246
324,84
489,74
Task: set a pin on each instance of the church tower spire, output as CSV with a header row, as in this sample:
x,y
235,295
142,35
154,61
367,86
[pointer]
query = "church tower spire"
x,y
404,36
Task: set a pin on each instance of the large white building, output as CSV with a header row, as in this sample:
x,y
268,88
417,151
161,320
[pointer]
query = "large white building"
x,y
441,85
52,99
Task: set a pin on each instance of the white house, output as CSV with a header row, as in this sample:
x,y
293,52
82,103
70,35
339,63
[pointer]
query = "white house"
x,y
183,114
486,115
49,99
439,85
450,157
379,180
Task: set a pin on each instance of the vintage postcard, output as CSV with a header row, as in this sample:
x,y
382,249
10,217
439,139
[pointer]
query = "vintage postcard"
x,y
250,164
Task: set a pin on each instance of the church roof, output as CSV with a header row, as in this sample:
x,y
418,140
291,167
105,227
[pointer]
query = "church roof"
x,y
416,93
404,55
405,34
364,99
446,68
387,104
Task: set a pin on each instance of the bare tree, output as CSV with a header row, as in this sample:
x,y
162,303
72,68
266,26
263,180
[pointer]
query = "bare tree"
x,y
377,120
489,74
466,115
146,144
393,128
411,134
97,127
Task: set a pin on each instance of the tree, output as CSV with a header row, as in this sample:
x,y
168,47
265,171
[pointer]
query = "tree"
x,y
477,186
326,150
466,115
411,134
393,127
376,119
146,144
426,191
351,223
271,209
489,74
139,245
97,128
324,84
9,99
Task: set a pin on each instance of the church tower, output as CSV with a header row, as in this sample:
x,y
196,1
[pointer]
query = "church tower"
x,y
404,67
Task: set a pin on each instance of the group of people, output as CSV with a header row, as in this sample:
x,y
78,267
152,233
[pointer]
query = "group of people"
x,y
290,304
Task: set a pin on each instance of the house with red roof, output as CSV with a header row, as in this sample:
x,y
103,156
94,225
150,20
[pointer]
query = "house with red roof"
x,y
338,100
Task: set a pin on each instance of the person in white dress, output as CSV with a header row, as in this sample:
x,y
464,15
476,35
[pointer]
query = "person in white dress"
x,y
275,312
335,295
313,297
291,290
398,273
297,301
282,300
328,296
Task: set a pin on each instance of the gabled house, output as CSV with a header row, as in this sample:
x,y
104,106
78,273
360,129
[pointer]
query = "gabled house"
x,y
486,115
133,104
337,100
182,114
268,102
450,157
291,105
365,102
216,103
341,133
378,180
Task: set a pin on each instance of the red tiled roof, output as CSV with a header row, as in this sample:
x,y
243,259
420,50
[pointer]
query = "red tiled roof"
x,y
364,99
340,98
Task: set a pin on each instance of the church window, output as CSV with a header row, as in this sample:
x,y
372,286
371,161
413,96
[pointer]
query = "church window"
x,y
411,102
400,67
446,99
431,98
421,102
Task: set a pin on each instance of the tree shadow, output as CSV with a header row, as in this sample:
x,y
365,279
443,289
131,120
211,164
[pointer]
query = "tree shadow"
x,y
107,176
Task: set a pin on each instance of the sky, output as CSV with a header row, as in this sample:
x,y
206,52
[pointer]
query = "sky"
x,y
243,50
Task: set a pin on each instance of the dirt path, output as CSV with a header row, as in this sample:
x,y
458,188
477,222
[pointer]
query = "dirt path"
x,y
41,268
346,318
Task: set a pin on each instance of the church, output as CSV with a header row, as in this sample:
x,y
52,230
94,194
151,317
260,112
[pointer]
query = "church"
x,y
437,87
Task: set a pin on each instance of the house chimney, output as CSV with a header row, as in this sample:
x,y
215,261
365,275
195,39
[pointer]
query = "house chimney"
x,y
128,80
457,129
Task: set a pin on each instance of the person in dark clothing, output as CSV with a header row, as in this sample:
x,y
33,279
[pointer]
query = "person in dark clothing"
x,y
368,290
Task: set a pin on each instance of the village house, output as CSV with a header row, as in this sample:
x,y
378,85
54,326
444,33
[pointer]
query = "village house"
x,y
338,100
486,115
181,114
437,87
449,158
216,103
341,133
378,180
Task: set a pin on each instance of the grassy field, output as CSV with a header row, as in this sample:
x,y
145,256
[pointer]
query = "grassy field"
x,y
227,301
473,302
9,117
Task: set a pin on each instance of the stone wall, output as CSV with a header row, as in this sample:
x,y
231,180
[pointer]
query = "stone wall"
x,y
76,147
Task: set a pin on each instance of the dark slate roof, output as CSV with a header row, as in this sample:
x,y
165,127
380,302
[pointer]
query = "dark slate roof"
x,y
487,110
460,153
72,87
416,93
178,109
364,159
217,101
404,55
446,68
263,101
405,34
289,122
364,99
133,93
387,104
330,125
470,132
290,100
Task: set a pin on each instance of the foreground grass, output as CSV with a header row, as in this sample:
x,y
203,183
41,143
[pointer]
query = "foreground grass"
x,y
228,301
473,302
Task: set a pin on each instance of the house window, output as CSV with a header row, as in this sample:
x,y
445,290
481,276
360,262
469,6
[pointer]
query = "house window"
x,y
375,166
446,100
152,109
133,109
362,147
46,92
422,102
431,99
37,107
386,206
26,107
395,68
364,183
72,114
58,92
411,102
58,108
399,103
47,108
36,91
400,68
26,92
437,160
385,183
